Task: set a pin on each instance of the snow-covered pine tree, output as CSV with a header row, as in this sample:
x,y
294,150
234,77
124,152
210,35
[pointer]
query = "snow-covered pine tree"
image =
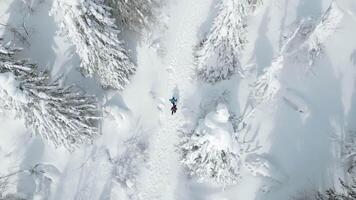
x,y
207,153
304,45
89,25
307,43
63,115
347,192
327,25
217,56
135,15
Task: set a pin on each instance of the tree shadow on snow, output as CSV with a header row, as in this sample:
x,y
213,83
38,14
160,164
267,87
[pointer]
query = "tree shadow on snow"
x,y
33,156
33,30
263,47
303,148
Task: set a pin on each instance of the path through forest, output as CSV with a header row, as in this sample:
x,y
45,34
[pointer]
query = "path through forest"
x,y
159,179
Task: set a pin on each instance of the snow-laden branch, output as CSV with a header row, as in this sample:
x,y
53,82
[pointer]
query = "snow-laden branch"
x,y
135,15
217,57
89,25
63,115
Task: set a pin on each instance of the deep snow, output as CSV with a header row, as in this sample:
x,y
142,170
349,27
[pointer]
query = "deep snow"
x,y
289,144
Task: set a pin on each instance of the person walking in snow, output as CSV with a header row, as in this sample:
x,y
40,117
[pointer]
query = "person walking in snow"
x,y
173,100
174,109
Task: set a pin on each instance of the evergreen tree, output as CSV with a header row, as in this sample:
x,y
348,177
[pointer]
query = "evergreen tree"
x,y
89,25
217,57
135,15
63,115
313,34
304,45
207,153
347,192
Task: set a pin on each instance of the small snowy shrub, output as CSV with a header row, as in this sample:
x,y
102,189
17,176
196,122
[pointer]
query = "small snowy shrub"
x,y
267,85
63,115
217,57
135,15
207,153
128,162
89,25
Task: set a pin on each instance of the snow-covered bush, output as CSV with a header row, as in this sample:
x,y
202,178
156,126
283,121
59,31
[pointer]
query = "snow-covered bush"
x,y
267,85
217,57
89,25
208,152
63,115
135,15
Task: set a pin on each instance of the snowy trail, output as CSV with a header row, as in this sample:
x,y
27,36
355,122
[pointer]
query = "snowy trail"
x,y
159,180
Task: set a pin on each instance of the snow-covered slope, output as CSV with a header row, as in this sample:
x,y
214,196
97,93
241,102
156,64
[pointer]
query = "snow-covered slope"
x,y
284,128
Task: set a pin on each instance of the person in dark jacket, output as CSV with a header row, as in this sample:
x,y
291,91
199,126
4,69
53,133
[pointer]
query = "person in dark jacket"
x,y
174,109
173,100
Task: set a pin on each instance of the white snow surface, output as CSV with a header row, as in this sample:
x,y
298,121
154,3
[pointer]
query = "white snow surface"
x,y
10,86
217,128
287,144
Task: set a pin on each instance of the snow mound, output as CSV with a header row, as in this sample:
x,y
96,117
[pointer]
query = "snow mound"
x,y
10,87
208,154
216,128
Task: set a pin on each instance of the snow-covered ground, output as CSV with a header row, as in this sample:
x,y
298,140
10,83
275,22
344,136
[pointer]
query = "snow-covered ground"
x,y
285,146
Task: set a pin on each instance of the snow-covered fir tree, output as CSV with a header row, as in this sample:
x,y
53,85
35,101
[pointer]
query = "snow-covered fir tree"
x,y
63,115
135,15
327,25
303,46
208,152
89,25
217,57
307,42
347,192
